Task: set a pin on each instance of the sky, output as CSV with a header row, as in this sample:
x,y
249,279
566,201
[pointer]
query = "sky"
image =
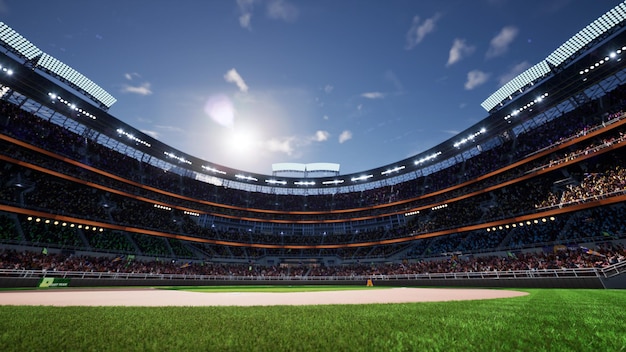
x,y
250,83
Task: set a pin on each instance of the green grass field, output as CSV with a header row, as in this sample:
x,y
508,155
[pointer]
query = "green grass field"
x,y
545,320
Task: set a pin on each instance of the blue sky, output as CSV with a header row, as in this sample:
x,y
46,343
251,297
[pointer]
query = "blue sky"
x,y
249,83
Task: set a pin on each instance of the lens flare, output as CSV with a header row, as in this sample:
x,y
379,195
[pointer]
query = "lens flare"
x,y
221,110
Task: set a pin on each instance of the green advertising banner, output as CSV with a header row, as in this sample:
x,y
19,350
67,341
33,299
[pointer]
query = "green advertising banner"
x,y
54,282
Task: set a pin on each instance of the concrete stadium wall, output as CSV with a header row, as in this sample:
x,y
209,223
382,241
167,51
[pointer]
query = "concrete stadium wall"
x,y
618,281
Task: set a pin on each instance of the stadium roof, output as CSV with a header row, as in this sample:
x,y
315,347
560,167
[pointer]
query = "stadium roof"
x,y
598,30
20,46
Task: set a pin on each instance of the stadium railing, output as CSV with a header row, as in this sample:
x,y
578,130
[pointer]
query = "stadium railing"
x,y
605,272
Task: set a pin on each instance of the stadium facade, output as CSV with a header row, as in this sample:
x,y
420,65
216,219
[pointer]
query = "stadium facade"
x,y
544,169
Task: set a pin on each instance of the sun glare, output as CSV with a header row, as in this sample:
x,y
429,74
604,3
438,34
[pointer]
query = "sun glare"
x,y
242,140
221,110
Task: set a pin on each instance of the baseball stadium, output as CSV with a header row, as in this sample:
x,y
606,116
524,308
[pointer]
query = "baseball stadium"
x,y
508,236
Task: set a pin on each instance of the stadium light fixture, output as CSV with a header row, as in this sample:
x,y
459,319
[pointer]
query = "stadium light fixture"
x,y
517,85
395,169
469,138
74,78
132,137
361,178
304,183
333,182
611,56
246,178
212,169
17,43
528,105
162,207
427,158
276,182
179,158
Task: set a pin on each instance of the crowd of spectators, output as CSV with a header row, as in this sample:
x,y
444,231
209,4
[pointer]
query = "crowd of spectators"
x,y
123,201
603,255
599,223
44,192
32,129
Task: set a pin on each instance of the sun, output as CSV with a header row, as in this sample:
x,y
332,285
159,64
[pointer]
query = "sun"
x,y
242,141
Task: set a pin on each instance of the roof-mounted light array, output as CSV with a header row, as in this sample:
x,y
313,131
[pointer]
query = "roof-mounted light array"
x,y
588,34
276,182
71,106
192,213
132,137
527,106
7,71
390,171
333,182
469,138
361,178
17,43
613,56
427,158
75,78
246,178
214,170
304,183
563,53
179,158
517,85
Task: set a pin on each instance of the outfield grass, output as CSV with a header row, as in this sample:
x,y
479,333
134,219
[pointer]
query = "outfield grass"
x,y
545,320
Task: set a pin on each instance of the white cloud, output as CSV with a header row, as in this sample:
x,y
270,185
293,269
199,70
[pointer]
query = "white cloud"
x,y
283,145
500,43
275,10
458,51
345,136
244,20
328,88
321,136
170,128
245,9
131,75
232,76
373,95
325,117
282,10
143,89
419,30
516,70
291,144
475,78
